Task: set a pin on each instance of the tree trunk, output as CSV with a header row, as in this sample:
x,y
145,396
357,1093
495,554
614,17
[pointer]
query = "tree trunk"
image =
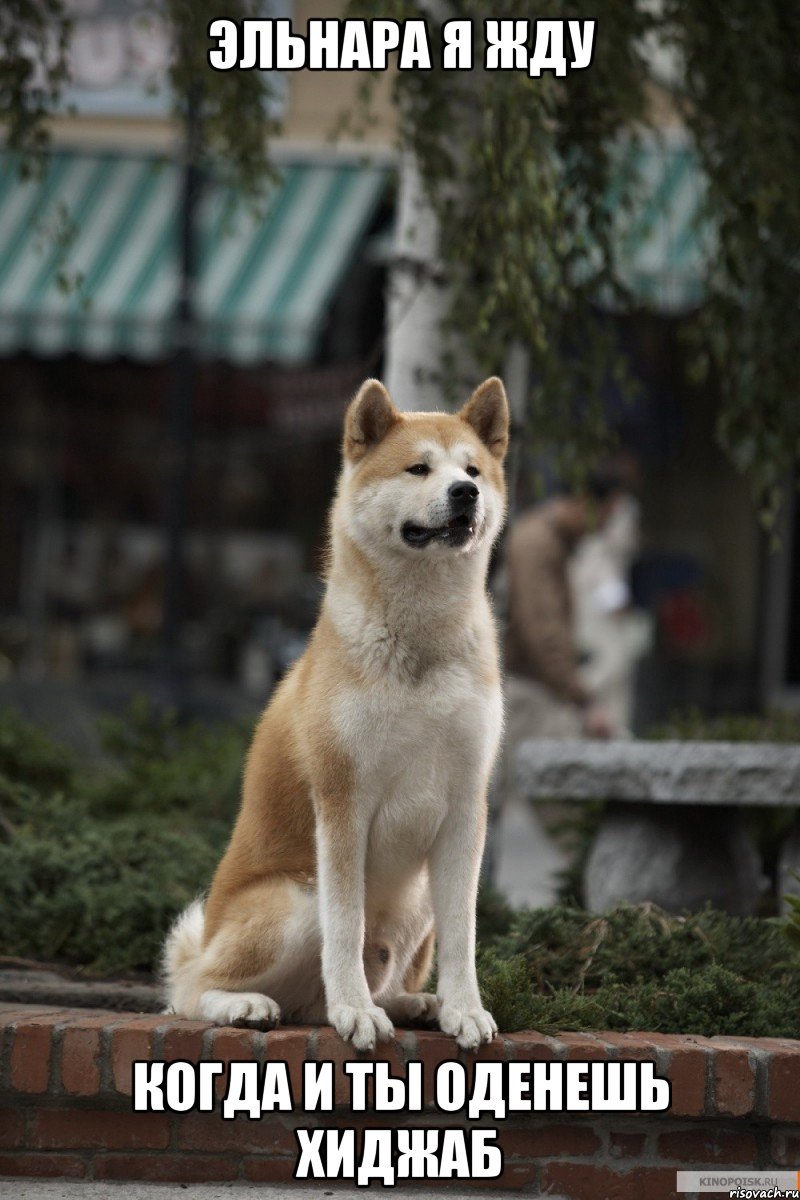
x,y
417,301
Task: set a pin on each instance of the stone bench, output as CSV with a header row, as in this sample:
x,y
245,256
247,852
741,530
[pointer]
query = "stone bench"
x,y
672,832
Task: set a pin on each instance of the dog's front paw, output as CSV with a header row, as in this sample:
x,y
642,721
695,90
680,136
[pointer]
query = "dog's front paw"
x,y
361,1026
468,1025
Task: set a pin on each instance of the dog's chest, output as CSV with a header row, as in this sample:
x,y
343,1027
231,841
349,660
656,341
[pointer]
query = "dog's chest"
x,y
416,750
391,731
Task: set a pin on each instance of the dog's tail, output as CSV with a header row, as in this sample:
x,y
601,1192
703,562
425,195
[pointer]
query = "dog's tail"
x,y
182,950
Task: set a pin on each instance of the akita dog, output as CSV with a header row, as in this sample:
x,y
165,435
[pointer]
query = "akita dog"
x,y
364,799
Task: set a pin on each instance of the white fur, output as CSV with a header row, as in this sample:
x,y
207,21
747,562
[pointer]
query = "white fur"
x,y
423,749
184,943
239,1008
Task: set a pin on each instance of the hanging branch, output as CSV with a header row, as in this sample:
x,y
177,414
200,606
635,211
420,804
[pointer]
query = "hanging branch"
x,y
519,173
742,106
533,195
34,36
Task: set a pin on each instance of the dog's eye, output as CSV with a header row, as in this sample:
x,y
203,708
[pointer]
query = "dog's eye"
x,y
419,469
472,471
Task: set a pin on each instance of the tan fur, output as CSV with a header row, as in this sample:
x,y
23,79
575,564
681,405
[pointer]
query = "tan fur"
x,y
417,974
301,782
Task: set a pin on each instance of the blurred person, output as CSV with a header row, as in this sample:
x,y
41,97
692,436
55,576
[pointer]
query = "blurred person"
x,y
611,634
547,695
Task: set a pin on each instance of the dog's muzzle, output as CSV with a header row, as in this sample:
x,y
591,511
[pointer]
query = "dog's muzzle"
x,y
462,499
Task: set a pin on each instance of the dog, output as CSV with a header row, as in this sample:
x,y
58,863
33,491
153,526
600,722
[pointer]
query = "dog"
x,y
363,812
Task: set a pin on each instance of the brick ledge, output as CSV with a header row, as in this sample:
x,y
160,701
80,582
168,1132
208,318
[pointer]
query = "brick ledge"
x,y
65,1084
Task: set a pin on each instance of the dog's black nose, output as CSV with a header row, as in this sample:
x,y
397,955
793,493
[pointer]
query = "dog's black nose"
x,y
462,494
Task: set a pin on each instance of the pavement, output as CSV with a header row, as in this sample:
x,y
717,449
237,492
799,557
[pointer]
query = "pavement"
x,y
58,1189
526,859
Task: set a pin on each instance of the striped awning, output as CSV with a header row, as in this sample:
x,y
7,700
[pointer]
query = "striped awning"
x,y
89,257
663,245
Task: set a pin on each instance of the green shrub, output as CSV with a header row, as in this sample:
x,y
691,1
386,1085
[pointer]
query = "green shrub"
x,y
567,947
792,923
710,1002
638,968
160,765
95,863
495,915
30,756
100,894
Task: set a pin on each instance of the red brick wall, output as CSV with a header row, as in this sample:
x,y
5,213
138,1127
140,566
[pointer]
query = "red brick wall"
x,y
65,1105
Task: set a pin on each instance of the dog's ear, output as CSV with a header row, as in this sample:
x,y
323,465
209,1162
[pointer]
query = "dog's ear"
x,y
369,418
487,412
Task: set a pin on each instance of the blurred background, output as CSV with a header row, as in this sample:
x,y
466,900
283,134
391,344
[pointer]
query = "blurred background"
x,y
175,359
